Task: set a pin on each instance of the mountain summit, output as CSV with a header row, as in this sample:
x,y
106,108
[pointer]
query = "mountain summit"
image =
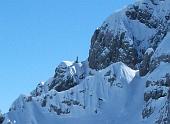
x,y
126,78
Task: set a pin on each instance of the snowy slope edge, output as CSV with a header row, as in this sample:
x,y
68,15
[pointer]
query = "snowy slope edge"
x,y
90,98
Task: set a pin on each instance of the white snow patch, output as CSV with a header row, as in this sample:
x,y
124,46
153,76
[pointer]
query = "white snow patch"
x,y
149,51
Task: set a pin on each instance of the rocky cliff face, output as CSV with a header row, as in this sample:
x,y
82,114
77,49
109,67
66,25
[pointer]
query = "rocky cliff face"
x,y
157,91
126,35
129,60
1,118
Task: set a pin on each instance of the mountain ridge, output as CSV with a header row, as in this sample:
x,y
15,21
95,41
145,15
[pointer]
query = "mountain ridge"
x,y
125,78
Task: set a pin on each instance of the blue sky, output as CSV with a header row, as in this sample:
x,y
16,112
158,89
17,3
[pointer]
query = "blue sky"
x,y
36,35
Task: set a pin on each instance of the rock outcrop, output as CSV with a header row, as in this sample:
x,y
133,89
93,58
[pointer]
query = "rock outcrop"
x,y
144,66
118,40
157,91
1,118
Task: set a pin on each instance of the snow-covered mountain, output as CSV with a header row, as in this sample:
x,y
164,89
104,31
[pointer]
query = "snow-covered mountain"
x,y
125,80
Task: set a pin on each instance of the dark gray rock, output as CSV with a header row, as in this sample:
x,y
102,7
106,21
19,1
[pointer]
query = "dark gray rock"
x,y
168,106
147,111
143,15
61,85
156,61
155,92
58,110
107,48
63,81
144,66
1,118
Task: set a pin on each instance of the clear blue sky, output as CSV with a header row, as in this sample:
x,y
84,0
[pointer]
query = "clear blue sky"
x,y
36,35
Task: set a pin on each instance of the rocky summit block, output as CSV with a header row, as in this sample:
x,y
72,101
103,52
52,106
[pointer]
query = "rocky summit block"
x,y
126,35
